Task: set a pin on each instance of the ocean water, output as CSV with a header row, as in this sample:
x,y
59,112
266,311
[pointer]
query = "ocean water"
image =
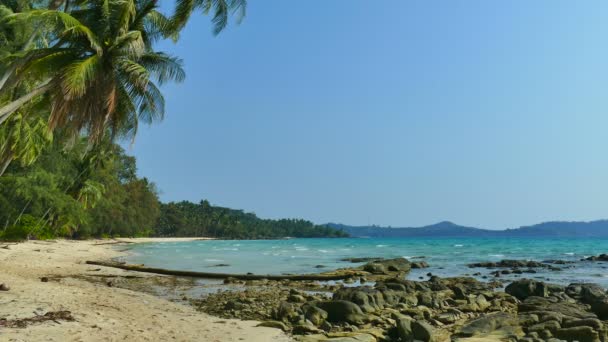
x,y
446,256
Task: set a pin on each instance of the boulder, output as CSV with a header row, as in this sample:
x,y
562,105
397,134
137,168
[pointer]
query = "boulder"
x,y
274,324
580,334
404,329
525,288
388,266
367,298
490,323
423,331
508,264
601,257
287,312
342,311
315,315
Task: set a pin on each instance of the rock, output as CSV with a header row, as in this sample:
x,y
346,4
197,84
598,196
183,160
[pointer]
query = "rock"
x,y
367,298
596,324
296,298
305,329
423,331
320,266
601,257
404,329
540,306
580,334
44,279
315,315
600,308
525,288
234,305
274,324
388,266
508,264
342,311
459,292
420,264
551,326
4,287
508,324
588,293
287,312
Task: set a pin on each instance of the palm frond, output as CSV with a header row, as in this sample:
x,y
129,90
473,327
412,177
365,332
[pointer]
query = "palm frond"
x,y
77,77
163,67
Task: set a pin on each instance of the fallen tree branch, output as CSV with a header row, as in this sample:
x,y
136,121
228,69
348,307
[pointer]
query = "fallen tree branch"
x,y
319,277
112,243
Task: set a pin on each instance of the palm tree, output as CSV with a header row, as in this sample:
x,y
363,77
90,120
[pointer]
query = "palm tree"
x,y
99,67
99,72
221,10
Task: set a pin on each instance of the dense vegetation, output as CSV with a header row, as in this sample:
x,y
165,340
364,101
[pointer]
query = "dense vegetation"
x,y
77,193
78,77
203,219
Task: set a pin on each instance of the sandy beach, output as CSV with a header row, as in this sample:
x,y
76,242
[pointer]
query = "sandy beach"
x,y
101,312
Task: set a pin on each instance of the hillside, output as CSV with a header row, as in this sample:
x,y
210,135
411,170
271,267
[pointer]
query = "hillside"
x,y
448,229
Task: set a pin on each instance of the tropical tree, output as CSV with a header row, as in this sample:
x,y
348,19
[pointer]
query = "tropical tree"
x,y
100,69
99,63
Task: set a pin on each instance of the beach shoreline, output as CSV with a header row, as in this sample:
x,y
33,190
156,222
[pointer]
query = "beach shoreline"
x,y
52,276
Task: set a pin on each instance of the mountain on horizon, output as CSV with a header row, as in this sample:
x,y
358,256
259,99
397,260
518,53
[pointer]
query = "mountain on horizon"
x,y
590,229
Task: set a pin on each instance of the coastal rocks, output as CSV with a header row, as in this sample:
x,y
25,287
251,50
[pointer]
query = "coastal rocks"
x,y
420,264
394,309
342,311
601,257
274,324
404,329
508,264
580,334
591,294
525,288
500,324
387,266
315,315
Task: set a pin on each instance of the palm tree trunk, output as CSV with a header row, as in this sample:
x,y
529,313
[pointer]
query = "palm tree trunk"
x,y
11,107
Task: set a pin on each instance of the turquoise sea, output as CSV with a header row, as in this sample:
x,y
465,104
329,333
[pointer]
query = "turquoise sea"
x,y
446,256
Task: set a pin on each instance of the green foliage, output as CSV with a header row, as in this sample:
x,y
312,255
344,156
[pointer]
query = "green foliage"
x,y
191,219
78,192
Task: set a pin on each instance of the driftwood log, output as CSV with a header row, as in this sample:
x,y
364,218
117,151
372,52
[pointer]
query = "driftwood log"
x,y
178,273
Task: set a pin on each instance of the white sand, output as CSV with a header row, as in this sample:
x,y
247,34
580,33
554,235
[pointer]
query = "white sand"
x,y
102,313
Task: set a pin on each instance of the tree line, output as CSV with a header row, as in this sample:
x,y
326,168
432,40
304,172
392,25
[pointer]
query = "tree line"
x,y
63,194
202,219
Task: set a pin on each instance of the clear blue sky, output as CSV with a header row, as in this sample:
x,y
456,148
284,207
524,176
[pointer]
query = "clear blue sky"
x,y
402,113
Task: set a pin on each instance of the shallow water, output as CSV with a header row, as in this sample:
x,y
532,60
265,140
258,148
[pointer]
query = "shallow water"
x,y
447,257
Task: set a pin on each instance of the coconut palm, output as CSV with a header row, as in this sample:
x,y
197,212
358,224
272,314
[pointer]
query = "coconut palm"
x,y
220,9
99,67
99,71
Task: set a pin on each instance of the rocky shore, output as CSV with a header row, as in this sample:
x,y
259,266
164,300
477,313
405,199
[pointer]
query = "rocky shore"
x,y
379,305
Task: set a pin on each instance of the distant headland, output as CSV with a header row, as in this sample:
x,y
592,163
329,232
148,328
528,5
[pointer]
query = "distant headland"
x,y
590,229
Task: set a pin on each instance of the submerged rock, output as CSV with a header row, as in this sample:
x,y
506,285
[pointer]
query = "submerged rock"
x,y
601,257
508,264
